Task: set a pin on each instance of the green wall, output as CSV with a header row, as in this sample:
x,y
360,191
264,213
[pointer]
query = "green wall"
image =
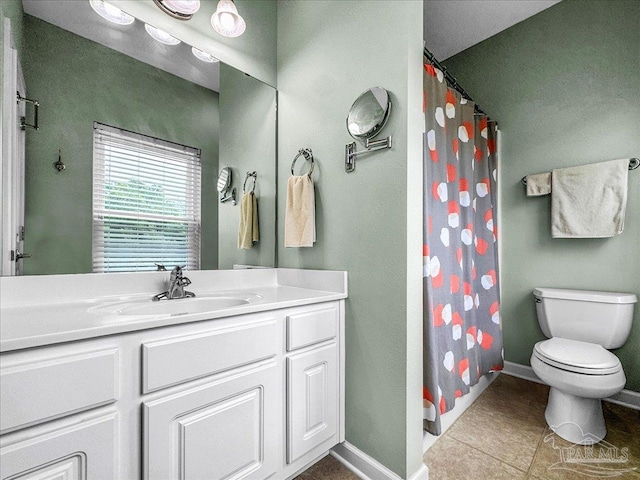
x,y
78,82
328,53
247,144
564,87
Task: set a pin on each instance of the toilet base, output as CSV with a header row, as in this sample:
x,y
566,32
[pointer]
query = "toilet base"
x,y
576,419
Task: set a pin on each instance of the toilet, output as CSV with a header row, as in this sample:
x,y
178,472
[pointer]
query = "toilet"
x,y
581,326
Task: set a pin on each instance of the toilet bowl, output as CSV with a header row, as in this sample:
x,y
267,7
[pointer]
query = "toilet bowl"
x,y
577,383
574,362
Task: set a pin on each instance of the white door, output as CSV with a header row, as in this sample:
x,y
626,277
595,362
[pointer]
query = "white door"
x,y
13,138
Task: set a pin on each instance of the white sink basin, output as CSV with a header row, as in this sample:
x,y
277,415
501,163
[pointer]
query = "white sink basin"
x,y
184,306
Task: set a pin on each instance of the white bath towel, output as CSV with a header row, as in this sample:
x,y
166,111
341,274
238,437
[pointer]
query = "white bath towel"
x,y
300,213
538,184
589,201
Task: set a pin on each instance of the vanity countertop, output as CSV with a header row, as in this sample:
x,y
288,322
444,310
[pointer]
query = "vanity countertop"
x,y
38,311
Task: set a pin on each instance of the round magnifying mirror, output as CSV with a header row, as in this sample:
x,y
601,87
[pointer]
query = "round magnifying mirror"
x,y
369,114
224,180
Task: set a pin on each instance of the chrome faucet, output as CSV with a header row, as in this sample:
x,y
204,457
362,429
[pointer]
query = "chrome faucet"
x,y
176,287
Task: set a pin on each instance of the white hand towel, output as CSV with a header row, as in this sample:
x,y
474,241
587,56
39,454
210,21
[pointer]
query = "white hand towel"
x,y
589,201
538,184
248,232
300,213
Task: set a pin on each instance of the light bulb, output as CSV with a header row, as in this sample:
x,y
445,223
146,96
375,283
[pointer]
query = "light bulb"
x,y
180,9
111,13
111,10
186,7
204,56
226,21
160,35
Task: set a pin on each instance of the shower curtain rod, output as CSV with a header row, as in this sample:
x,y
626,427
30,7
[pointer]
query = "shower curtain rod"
x,y
451,80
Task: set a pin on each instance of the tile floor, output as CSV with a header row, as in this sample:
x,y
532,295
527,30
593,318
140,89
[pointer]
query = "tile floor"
x,y
503,435
327,469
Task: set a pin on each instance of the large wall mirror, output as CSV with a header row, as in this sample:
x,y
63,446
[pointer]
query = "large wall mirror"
x,y
82,70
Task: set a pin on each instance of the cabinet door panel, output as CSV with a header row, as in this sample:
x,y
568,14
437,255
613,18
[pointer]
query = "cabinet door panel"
x,y
313,399
84,451
222,430
36,392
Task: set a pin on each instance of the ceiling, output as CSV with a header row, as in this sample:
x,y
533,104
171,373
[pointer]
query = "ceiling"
x,y
450,26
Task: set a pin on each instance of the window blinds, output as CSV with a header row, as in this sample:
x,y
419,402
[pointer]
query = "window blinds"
x,y
146,202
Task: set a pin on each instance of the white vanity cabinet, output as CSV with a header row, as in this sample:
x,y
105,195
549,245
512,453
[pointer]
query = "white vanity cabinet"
x,y
251,396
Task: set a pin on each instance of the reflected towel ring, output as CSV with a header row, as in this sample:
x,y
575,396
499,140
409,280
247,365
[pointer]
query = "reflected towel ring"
x,y
308,156
255,178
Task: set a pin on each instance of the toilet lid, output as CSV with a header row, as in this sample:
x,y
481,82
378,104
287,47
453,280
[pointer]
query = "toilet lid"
x,y
576,356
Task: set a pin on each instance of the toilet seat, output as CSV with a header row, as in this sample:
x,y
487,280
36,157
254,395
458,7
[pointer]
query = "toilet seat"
x,y
576,356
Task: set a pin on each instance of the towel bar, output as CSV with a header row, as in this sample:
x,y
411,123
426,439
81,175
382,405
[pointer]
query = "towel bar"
x,y
633,164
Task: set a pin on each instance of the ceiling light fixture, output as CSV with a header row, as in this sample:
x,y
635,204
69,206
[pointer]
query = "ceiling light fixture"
x,y
111,13
161,35
180,9
204,56
226,21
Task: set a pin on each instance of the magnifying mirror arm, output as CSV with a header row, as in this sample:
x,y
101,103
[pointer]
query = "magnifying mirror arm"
x,y
225,196
371,146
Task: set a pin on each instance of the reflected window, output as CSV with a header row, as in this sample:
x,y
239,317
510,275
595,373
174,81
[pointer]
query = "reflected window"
x,y
146,202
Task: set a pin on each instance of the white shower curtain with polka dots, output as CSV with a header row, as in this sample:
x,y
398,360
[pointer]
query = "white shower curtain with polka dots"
x,y
462,328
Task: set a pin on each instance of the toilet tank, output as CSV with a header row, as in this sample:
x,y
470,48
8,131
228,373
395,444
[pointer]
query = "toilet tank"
x,y
596,317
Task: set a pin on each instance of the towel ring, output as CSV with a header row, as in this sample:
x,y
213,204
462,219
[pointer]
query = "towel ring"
x,y
308,156
255,178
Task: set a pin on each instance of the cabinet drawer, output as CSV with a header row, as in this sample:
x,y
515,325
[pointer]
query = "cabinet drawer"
x,y
40,391
178,360
307,328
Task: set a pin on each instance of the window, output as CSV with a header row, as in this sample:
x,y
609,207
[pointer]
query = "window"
x,y
146,202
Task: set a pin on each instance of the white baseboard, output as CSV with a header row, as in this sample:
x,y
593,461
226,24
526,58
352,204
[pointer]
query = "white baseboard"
x,y
521,371
626,398
367,467
462,403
